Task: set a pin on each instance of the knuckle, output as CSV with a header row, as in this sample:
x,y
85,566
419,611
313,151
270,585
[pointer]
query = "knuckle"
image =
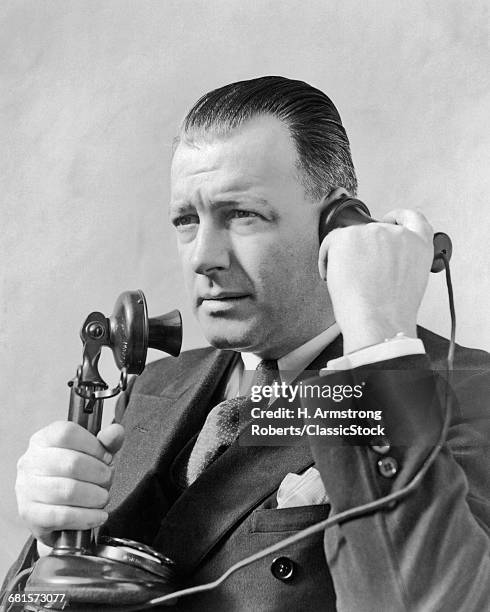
x,y
37,437
62,432
372,228
73,464
19,488
65,489
374,232
59,426
105,476
52,518
96,518
37,519
102,498
23,489
400,212
29,463
47,436
110,476
62,516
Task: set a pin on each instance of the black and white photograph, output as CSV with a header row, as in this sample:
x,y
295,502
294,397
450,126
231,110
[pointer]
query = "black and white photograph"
x,y
245,306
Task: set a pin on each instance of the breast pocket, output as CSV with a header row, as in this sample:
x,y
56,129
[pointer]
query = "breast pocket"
x,y
271,520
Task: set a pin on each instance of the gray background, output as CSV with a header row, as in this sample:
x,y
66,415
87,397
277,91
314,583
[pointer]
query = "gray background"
x,y
91,96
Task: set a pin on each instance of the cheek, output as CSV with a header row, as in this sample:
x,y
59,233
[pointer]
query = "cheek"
x,y
186,268
261,259
288,269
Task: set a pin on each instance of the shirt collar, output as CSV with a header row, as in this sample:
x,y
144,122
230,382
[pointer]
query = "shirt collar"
x,y
295,362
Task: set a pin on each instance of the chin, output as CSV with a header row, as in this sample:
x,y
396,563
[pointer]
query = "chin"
x,y
226,335
231,341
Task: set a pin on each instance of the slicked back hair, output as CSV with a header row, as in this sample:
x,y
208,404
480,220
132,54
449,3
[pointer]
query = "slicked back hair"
x,y
324,157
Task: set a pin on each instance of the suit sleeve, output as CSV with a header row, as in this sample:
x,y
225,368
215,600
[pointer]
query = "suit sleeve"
x,y
27,557
430,551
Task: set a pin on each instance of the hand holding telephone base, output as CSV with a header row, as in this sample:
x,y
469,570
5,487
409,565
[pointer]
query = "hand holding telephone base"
x,y
113,570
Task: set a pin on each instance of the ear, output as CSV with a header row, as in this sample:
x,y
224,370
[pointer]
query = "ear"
x,y
323,207
325,204
335,194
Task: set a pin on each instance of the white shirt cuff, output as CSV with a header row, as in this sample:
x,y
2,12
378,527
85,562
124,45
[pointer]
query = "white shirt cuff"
x,y
396,347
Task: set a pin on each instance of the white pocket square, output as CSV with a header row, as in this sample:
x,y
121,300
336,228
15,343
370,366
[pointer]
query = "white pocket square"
x,y
301,490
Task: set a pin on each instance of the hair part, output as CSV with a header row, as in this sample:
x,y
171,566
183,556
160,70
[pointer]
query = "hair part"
x,y
324,157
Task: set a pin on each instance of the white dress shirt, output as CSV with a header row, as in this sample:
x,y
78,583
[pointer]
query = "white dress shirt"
x,y
297,360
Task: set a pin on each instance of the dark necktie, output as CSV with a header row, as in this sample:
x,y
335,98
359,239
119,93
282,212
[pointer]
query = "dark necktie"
x,y
221,427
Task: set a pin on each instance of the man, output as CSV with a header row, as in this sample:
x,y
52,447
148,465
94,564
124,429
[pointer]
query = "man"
x,y
256,164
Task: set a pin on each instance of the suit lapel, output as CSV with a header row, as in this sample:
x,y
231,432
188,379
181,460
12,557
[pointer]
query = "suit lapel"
x,y
158,426
229,489
226,492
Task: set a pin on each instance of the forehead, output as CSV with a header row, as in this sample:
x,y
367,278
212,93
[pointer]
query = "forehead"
x,y
260,151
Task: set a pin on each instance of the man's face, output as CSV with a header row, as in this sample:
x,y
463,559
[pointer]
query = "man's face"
x,y
248,240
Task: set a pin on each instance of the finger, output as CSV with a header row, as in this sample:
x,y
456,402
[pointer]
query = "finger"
x,y
112,437
54,490
414,220
50,461
65,434
46,518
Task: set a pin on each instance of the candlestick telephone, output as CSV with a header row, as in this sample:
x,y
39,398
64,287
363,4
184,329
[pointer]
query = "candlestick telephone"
x,y
123,575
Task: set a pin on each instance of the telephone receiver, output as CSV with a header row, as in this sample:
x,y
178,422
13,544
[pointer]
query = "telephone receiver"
x,y
97,575
347,211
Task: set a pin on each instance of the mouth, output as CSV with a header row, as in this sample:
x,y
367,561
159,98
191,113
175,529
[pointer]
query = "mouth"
x,y
223,299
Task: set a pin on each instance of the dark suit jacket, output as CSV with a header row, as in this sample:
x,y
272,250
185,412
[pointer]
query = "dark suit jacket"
x,y
428,552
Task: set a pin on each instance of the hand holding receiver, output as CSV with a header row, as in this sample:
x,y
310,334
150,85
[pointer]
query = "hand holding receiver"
x,y
376,275
64,477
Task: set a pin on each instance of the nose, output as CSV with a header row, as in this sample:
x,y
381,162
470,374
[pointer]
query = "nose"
x,y
211,250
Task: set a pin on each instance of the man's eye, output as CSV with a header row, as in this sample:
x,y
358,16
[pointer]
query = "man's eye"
x,y
185,220
242,214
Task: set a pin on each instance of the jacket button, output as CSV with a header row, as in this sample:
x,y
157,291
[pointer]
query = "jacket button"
x,y
381,446
282,568
388,467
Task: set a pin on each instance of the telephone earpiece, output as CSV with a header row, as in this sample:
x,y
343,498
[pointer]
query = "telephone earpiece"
x,y
350,211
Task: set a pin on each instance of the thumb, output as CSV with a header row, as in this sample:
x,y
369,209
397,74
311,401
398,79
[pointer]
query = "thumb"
x,y
112,437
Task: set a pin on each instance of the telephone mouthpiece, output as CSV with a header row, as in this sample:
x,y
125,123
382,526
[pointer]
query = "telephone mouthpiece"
x,y
132,333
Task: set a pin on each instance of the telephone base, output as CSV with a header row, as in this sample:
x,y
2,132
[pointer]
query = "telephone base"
x,y
93,583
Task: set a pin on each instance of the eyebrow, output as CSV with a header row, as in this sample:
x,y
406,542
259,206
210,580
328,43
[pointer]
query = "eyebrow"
x,y
180,207
238,200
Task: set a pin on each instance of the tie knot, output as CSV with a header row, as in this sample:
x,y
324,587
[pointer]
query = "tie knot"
x,y
266,372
